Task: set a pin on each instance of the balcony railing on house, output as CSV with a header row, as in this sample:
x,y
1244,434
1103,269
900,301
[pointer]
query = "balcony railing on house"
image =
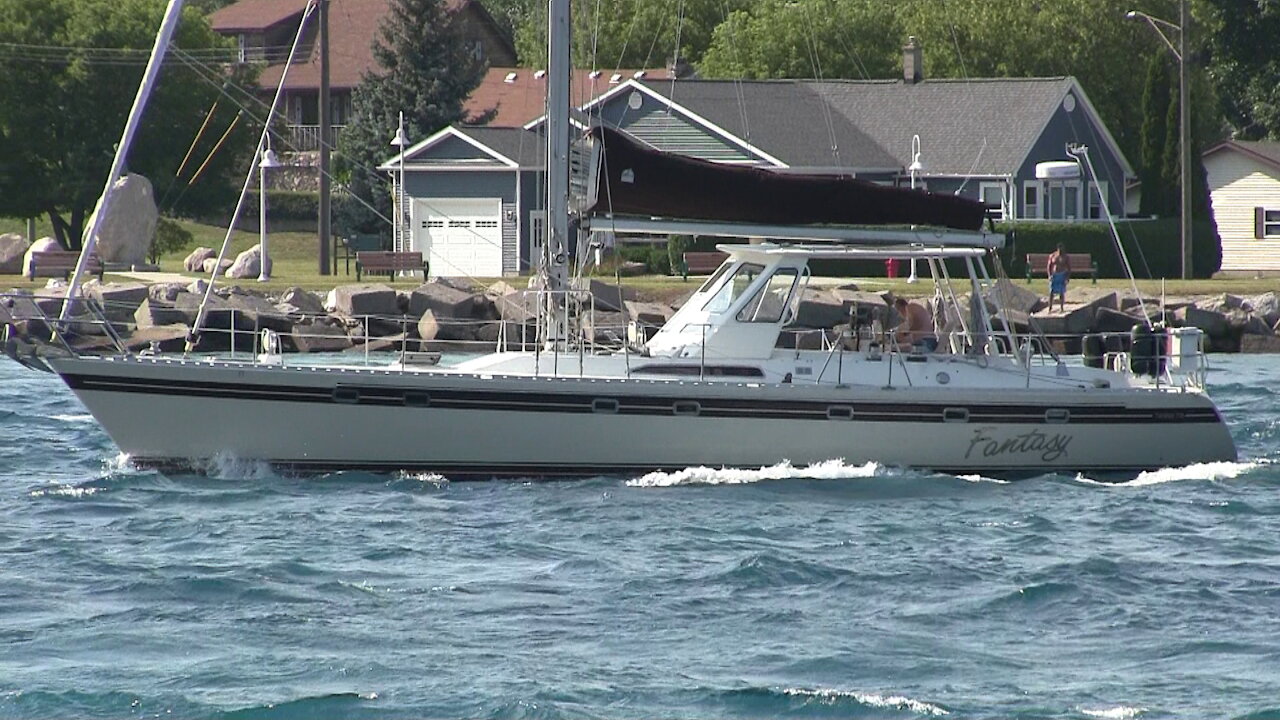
x,y
306,138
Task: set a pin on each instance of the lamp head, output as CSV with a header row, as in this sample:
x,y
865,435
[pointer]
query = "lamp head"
x,y
400,140
1132,15
269,160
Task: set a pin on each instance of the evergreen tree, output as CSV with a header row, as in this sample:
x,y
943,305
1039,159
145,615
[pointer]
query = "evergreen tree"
x,y
1155,105
1170,163
426,70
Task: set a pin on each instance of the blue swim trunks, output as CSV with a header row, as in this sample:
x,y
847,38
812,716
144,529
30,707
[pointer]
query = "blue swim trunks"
x,y
1058,283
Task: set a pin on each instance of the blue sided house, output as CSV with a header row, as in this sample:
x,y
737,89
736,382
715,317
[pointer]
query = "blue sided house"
x,y
474,194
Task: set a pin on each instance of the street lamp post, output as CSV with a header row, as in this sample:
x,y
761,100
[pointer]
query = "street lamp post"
x,y
399,142
264,260
1184,115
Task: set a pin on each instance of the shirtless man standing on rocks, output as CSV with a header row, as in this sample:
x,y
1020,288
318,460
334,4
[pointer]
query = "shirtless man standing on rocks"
x,y
1059,271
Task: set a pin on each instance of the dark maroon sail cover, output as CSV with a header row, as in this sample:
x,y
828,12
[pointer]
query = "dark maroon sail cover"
x,y
638,180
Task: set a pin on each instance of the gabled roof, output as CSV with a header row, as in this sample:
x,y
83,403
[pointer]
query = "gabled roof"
x,y
787,119
493,148
518,94
966,127
1266,152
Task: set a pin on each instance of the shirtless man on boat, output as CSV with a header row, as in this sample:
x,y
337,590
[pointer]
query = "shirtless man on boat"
x,y
916,325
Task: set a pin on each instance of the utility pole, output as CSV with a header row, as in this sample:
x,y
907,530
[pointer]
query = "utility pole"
x,y
1184,121
325,132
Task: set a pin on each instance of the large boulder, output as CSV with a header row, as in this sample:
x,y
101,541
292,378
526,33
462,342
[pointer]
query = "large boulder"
x,y
260,311
296,301
195,261
208,266
609,296
367,299
126,231
152,313
1259,344
442,299
647,313
518,307
248,264
820,309
431,327
166,292
12,249
322,335
1213,323
1114,321
44,244
119,301
163,338
1267,307
1014,297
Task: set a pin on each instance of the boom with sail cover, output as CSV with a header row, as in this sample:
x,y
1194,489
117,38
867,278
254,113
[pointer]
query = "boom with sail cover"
x,y
632,178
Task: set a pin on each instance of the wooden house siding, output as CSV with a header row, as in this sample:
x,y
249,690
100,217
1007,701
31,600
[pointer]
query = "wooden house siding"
x,y
1238,184
670,131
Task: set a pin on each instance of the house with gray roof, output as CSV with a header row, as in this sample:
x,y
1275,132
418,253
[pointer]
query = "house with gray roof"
x,y
474,193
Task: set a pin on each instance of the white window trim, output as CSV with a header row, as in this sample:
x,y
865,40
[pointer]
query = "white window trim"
x,y
1003,187
1271,223
1033,212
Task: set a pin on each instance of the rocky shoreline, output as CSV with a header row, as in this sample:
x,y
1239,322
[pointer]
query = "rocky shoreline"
x,y
451,314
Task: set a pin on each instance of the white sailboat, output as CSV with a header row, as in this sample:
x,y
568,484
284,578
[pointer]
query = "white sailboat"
x,y
710,388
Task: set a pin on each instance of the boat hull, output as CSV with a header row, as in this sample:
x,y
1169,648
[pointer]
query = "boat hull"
x,y
176,414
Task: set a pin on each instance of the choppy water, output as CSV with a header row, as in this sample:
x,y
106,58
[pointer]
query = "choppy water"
x,y
829,591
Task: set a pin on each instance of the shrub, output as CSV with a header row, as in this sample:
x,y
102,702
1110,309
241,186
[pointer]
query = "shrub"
x,y
170,237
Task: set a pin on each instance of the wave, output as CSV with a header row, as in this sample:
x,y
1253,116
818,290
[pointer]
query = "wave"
x,y
76,418
331,705
1119,712
1199,471
870,700
70,491
704,475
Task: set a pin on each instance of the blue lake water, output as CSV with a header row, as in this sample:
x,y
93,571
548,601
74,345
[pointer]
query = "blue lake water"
x,y
830,591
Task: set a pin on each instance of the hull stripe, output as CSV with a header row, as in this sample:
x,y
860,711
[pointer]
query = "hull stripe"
x,y
577,402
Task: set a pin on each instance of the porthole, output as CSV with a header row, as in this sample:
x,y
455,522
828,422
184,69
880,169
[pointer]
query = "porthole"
x,y
604,405
955,415
686,407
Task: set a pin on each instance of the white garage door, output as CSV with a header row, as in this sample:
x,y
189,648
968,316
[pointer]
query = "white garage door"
x,y
459,236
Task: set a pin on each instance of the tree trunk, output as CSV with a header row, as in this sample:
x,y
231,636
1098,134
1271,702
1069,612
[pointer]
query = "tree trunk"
x,y
60,230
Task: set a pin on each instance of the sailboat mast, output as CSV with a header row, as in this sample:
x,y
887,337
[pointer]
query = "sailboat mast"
x,y
558,72
163,36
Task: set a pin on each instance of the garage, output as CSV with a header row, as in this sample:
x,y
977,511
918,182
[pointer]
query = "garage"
x,y
459,236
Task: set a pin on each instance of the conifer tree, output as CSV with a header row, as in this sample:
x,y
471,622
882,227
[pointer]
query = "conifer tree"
x,y
426,69
1155,106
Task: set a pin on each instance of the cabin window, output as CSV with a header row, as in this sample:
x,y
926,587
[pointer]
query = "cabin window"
x,y
770,301
733,288
1266,223
715,277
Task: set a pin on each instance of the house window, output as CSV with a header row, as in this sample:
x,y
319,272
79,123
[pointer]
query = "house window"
x,y
1266,223
993,196
537,228
1062,200
1093,202
1031,200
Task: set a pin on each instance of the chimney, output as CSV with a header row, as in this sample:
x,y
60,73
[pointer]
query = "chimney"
x,y
912,62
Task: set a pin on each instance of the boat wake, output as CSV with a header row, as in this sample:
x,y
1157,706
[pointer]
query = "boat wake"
x,y
703,475
1116,713
1198,471
871,700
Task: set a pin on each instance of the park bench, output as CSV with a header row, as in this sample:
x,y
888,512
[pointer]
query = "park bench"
x,y
55,263
1081,263
390,262
702,263
351,245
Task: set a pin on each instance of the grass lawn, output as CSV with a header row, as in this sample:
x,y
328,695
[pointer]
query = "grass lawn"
x,y
295,263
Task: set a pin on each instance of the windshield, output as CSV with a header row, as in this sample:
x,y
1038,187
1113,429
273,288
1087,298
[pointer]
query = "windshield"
x,y
733,287
771,299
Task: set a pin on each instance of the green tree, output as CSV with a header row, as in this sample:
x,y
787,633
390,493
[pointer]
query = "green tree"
x,y
1241,41
808,39
63,104
1155,107
426,70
